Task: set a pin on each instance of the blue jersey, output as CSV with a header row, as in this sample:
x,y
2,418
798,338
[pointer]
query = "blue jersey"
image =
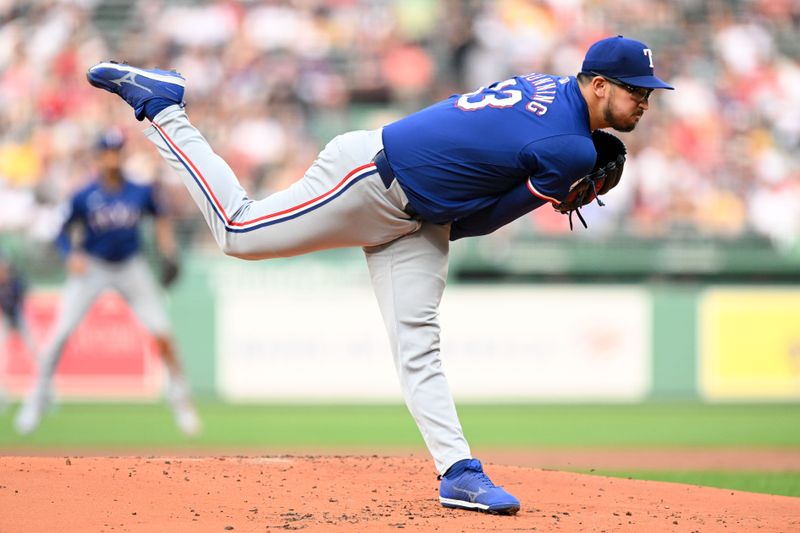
x,y
527,136
109,218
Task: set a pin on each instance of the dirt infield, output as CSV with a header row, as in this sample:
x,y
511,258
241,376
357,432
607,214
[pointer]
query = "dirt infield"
x,y
199,494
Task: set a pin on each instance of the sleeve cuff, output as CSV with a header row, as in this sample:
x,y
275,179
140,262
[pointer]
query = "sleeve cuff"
x,y
541,195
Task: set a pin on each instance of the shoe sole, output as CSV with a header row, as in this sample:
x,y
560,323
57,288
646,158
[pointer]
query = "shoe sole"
x,y
504,509
27,422
188,423
175,80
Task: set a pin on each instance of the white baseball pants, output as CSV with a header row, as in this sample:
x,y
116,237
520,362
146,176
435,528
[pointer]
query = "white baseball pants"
x,y
131,278
341,201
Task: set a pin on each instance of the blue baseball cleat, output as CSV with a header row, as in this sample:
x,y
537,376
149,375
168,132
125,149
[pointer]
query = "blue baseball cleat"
x,y
138,86
472,489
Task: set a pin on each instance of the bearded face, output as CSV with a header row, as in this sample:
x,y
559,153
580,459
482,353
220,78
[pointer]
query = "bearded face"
x,y
621,111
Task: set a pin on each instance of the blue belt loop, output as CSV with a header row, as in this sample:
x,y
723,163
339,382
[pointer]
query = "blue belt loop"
x,y
384,170
387,177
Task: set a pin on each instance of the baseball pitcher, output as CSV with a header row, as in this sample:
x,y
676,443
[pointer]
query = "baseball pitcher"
x,y
462,167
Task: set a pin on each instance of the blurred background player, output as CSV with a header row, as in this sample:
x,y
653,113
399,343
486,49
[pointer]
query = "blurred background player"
x,y
12,298
101,246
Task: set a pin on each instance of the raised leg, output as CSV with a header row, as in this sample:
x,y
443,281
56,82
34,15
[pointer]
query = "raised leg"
x,y
339,202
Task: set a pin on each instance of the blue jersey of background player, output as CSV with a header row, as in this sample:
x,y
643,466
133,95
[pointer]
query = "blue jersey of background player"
x,y
457,157
109,212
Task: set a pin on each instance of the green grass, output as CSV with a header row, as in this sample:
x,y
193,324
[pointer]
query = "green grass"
x,y
781,483
646,425
499,426
148,428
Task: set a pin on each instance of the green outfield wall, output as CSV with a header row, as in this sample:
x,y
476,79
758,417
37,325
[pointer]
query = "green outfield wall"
x,y
674,341
192,307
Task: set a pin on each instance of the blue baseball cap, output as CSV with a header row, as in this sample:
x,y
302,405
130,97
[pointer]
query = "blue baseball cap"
x,y
111,139
625,60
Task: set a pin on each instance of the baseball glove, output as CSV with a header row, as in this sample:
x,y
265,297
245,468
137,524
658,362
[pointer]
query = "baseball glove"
x,y
169,271
604,176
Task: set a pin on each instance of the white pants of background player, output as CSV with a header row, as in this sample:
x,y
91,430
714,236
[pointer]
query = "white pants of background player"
x,y
133,280
340,202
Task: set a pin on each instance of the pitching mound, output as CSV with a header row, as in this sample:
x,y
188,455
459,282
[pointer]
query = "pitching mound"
x,y
158,494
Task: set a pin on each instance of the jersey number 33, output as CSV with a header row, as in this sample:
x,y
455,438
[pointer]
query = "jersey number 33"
x,y
505,94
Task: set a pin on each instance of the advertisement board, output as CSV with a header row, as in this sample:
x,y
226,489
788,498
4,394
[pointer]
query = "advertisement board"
x,y
749,344
499,343
110,355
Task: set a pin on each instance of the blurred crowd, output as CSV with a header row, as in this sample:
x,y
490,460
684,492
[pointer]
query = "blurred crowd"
x,y
269,83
